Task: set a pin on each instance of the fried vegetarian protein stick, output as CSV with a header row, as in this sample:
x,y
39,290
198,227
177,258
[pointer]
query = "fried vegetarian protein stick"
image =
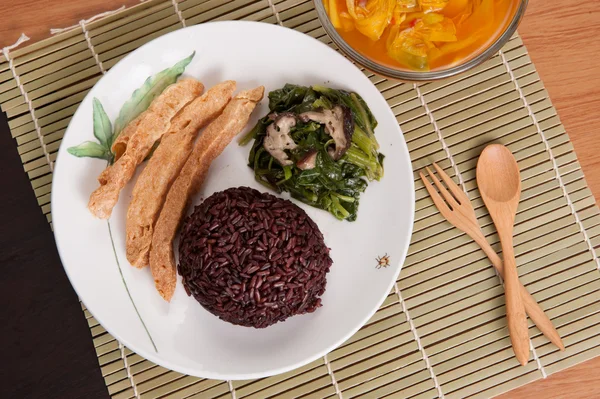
x,y
149,128
163,168
209,146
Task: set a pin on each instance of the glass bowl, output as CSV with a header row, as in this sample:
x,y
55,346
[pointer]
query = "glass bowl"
x,y
419,76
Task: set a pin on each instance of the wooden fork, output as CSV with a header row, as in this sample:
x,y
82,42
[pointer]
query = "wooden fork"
x,y
457,209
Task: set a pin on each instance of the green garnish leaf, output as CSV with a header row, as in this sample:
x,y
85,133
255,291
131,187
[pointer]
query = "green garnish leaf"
x,y
141,98
102,125
140,101
90,149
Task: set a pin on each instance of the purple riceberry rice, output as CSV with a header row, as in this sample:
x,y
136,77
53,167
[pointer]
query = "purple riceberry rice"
x,y
253,259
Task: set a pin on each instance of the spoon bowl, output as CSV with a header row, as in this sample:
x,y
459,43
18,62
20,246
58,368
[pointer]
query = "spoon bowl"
x,y
502,178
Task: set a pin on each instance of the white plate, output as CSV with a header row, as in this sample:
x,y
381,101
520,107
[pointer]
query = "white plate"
x,y
182,335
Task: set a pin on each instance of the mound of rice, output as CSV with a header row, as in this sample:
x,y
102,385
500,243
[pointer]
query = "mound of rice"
x,y
253,259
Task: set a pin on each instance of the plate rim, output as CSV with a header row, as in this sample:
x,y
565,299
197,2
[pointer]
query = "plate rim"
x,y
154,357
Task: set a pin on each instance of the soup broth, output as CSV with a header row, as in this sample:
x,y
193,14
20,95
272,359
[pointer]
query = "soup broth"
x,y
422,35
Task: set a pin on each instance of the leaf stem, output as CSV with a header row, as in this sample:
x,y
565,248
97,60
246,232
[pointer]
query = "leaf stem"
x,y
127,288
363,113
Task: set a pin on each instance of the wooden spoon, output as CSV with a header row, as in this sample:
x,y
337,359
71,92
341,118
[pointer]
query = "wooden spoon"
x,y
499,183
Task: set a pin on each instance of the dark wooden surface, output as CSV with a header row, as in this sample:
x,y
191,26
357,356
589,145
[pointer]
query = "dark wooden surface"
x,y
46,350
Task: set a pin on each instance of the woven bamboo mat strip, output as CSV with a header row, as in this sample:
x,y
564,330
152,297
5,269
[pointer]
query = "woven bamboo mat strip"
x,y
441,332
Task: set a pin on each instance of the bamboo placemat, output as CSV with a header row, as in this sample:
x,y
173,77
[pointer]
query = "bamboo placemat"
x,y
441,332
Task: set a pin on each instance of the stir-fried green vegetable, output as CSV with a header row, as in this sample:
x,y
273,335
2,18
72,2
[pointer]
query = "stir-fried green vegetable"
x,y
325,183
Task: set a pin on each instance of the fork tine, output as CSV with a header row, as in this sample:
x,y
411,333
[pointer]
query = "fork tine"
x,y
458,193
435,196
447,196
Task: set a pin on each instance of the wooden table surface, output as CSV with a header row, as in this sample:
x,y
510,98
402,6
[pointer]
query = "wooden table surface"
x,y
562,39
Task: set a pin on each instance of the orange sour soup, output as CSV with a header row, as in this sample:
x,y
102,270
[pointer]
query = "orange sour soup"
x,y
420,35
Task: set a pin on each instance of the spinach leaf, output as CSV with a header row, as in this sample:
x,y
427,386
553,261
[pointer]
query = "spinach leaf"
x,y
286,97
322,102
260,128
307,102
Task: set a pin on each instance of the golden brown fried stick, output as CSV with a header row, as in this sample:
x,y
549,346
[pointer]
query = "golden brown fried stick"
x,y
162,169
209,146
148,129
